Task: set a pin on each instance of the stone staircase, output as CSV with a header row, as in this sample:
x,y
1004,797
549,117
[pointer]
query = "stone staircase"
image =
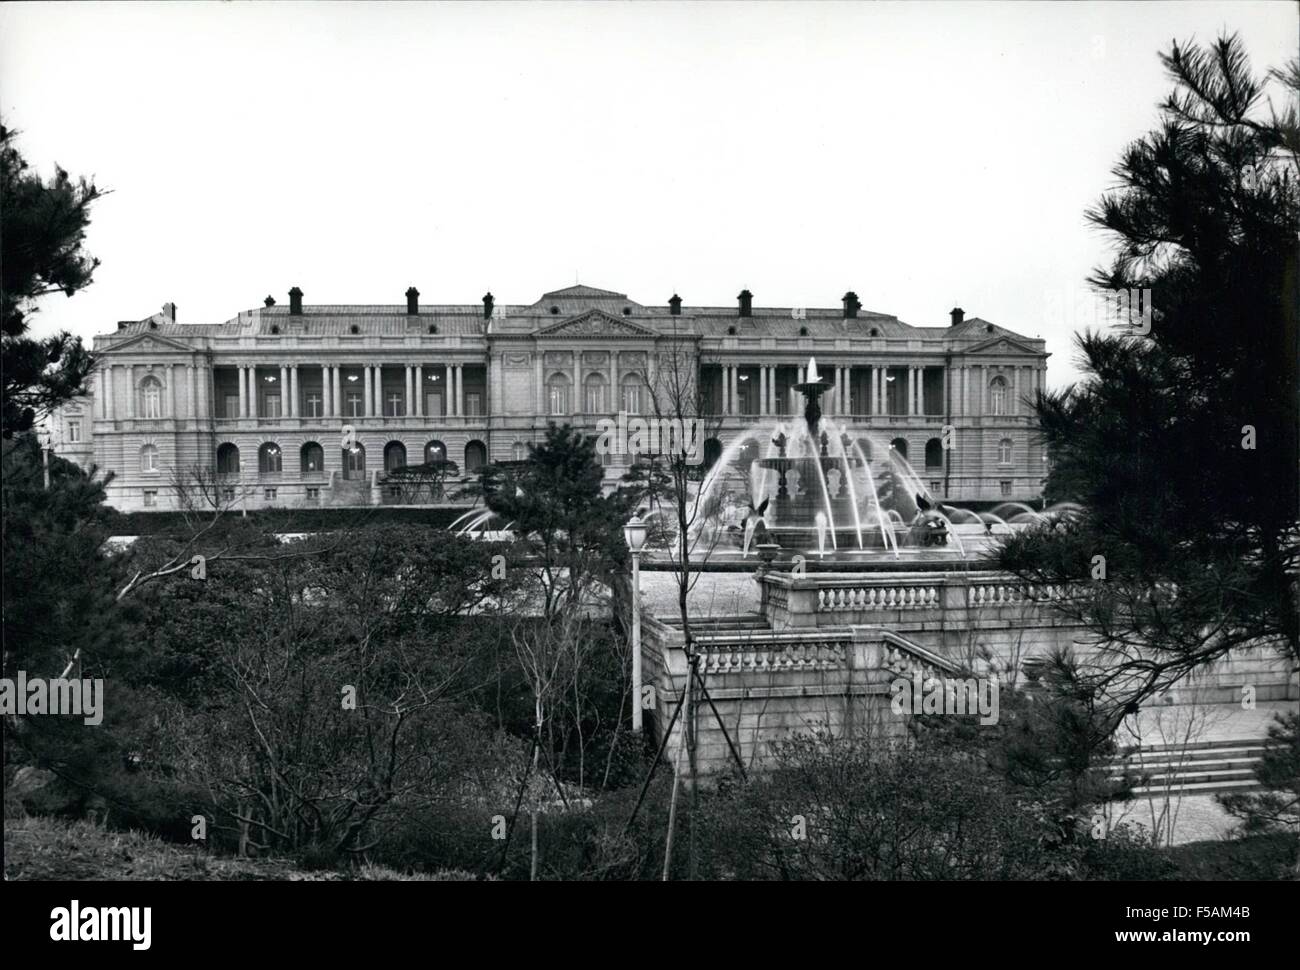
x,y
1203,768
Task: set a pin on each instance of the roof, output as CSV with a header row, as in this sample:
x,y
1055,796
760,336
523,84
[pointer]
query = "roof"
x,y
558,306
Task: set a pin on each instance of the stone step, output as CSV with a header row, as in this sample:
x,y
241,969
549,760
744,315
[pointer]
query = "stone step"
x,y
1190,764
1205,745
1176,779
1202,788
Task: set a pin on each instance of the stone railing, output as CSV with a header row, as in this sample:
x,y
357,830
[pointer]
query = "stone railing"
x,y
773,652
832,599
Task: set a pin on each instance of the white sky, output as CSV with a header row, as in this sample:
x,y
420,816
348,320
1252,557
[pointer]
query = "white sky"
x,y
921,154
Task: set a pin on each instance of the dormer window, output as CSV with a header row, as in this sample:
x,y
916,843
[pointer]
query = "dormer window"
x,y
731,331
354,329
803,331
275,330
433,328
627,311
875,332
555,311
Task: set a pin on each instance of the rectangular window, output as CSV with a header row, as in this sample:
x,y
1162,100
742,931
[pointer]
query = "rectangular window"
x,y
313,494
232,406
314,406
74,431
632,398
934,488
558,400
473,404
1006,488
270,494
395,407
433,404
150,497
271,406
354,404
596,399
228,494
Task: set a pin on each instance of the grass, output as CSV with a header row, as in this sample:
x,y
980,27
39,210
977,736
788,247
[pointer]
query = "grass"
x,y
42,848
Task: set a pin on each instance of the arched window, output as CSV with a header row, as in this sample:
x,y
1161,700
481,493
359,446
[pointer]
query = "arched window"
x,y
998,395
435,451
633,392
1004,451
475,457
227,459
151,398
394,456
557,394
312,457
934,453
270,460
595,394
518,451
354,461
749,454
900,446
712,452
149,459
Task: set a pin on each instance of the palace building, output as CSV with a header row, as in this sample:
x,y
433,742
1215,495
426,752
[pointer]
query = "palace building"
x,y
260,401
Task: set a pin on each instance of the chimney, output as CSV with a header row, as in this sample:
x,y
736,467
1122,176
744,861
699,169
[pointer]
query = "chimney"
x,y
746,303
675,305
957,314
488,301
412,301
851,305
169,311
295,302
269,301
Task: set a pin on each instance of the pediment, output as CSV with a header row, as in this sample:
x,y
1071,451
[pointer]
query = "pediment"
x,y
595,323
1002,344
148,343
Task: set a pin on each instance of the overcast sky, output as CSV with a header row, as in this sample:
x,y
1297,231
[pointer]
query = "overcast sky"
x,y
921,154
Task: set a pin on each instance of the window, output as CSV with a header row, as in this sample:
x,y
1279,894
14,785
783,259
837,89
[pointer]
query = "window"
x,y
313,493
269,459
228,494
557,395
150,497
395,407
473,404
518,452
354,404
227,459
271,406
934,453
435,451
394,456
934,488
149,459
900,446
269,494
232,406
74,432
1006,487
998,395
475,457
151,398
312,458
1004,451
595,394
315,406
632,393
354,460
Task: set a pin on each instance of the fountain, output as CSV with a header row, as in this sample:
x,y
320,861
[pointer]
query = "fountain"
x,y
824,490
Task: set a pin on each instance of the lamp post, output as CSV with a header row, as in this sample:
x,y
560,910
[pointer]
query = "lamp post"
x,y
45,437
634,533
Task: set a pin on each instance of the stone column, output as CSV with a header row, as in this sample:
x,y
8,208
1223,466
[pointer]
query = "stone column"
x,y
192,407
1013,406
408,380
293,391
762,389
336,395
539,385
368,401
243,391
419,390
615,402
576,404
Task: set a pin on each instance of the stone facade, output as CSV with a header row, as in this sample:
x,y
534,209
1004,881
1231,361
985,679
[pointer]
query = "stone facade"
x,y
263,398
